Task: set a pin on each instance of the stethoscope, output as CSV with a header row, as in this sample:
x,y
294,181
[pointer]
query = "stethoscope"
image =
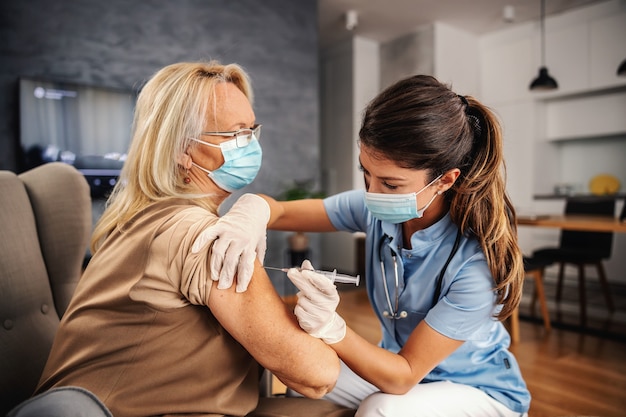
x,y
392,312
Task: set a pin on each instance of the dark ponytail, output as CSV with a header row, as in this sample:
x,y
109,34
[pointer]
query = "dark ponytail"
x,y
481,205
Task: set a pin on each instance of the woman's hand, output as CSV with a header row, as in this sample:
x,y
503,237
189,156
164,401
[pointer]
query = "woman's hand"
x,y
317,301
240,237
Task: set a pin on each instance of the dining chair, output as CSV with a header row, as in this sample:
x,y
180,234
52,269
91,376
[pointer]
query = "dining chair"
x,y
533,268
583,249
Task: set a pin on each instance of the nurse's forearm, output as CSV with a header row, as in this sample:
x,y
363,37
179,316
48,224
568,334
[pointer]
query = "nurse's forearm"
x,y
396,373
389,372
298,215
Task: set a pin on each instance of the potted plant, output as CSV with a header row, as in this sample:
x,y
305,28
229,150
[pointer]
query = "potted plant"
x,y
298,242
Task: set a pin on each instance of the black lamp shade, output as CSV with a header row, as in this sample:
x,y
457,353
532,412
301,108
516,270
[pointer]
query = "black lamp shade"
x,y
621,70
544,81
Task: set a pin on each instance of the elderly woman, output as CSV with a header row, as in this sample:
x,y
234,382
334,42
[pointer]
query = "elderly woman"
x,y
147,331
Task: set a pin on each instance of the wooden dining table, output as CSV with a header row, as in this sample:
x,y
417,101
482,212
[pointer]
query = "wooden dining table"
x,y
587,223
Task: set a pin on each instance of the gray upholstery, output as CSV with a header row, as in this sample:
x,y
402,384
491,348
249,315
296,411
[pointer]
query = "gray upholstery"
x,y
45,219
62,402
300,407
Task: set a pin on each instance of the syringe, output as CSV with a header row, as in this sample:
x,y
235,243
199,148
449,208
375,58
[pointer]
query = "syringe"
x,y
331,275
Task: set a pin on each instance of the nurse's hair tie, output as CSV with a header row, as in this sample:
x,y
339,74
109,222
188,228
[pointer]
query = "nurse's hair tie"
x,y
474,117
464,101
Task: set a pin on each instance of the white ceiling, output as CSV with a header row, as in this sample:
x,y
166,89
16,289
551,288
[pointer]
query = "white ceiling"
x,y
383,20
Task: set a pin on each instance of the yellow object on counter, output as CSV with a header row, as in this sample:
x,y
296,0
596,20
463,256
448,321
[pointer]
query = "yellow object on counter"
x,y
604,184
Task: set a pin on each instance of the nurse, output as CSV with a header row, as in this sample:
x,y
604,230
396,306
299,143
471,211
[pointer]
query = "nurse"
x,y
443,267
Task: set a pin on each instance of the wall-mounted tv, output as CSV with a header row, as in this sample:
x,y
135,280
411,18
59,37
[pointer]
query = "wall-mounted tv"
x,y
86,126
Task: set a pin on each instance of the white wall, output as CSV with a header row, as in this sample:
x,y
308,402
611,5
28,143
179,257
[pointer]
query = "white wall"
x,y
350,79
366,86
457,59
407,55
571,134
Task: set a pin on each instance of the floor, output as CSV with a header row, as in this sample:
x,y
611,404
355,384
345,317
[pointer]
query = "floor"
x,y
568,372
565,315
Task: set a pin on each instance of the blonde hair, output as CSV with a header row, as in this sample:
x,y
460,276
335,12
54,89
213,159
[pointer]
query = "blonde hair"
x,y
422,124
171,108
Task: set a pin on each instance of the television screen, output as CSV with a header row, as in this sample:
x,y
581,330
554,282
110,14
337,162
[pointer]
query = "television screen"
x,y
85,126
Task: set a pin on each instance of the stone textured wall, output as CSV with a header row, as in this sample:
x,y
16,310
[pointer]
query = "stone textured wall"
x,y
121,43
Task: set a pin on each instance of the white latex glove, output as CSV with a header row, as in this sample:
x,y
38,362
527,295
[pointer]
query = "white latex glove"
x,y
240,236
317,301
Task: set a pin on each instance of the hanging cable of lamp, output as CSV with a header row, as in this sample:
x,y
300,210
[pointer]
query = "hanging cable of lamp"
x,y
543,81
621,70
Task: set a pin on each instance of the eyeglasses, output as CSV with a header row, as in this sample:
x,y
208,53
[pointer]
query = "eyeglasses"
x,y
242,136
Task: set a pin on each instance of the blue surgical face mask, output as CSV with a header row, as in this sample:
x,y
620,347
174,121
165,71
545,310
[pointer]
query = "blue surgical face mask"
x,y
241,164
397,208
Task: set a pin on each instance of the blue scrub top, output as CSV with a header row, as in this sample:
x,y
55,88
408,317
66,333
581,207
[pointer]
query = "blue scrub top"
x,y
464,310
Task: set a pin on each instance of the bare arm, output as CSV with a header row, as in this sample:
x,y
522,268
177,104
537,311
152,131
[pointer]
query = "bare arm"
x,y
299,215
396,373
260,321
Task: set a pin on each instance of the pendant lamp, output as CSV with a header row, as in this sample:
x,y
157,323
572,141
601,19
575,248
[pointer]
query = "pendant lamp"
x,y
621,70
543,81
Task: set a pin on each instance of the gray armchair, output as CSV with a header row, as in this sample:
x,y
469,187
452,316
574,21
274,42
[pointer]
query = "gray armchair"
x,y
45,219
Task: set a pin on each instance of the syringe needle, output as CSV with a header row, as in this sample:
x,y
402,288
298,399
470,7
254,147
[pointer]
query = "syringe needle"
x,y
273,268
331,275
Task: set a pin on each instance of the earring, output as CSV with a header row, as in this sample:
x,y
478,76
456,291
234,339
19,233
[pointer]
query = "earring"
x,y
187,180
439,192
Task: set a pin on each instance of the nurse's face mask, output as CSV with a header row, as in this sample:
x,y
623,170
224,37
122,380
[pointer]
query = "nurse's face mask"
x,y
397,208
242,158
